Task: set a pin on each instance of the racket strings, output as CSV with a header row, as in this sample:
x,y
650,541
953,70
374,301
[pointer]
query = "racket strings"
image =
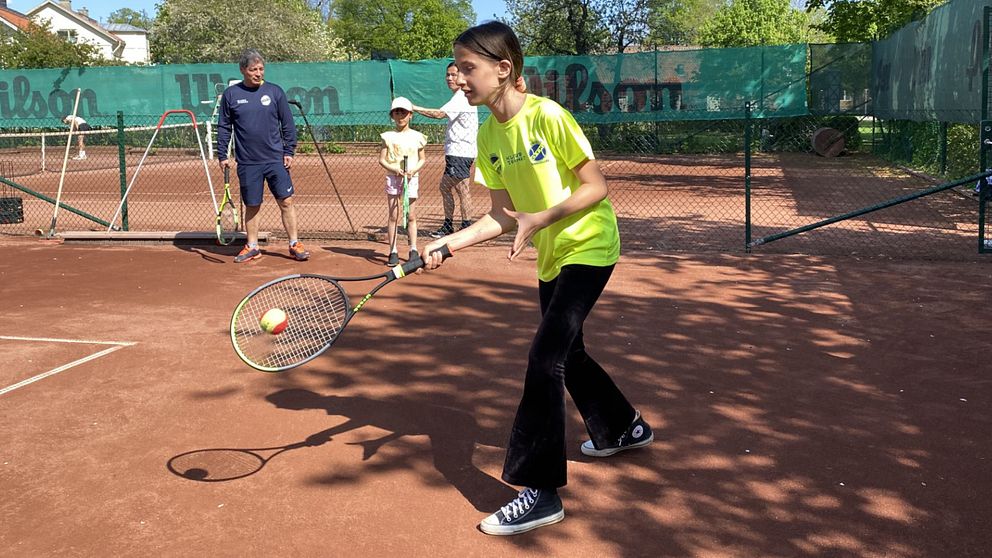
x,y
316,311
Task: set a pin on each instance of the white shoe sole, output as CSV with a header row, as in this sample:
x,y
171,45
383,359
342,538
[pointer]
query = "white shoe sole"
x,y
593,452
504,530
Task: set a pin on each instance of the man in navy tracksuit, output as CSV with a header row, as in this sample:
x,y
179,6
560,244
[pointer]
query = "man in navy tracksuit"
x,y
265,141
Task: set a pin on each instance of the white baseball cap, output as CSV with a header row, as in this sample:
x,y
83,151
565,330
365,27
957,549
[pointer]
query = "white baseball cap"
x,y
401,103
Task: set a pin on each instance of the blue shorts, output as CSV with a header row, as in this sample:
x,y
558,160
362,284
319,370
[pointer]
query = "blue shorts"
x,y
457,167
252,176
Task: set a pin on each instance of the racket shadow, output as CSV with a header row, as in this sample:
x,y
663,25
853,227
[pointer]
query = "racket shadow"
x,y
228,464
453,435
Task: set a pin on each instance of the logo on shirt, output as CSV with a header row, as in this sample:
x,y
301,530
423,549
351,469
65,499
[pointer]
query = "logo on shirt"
x,y
266,100
242,101
537,152
494,159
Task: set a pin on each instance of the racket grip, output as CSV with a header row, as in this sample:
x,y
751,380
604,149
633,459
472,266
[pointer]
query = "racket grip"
x,y
227,175
418,262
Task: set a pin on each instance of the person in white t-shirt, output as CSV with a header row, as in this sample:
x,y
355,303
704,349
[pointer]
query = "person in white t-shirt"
x,y
403,142
459,152
77,124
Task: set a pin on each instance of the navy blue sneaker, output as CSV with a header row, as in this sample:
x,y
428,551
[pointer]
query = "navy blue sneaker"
x,y
638,435
532,508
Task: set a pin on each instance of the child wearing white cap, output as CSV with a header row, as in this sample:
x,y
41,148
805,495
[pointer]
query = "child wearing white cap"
x,y
402,143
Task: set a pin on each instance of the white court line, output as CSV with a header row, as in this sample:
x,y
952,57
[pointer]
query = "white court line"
x,y
53,340
117,346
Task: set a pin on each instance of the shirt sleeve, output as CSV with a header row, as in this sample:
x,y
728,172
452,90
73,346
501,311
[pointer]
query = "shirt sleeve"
x,y
288,125
485,170
565,138
223,127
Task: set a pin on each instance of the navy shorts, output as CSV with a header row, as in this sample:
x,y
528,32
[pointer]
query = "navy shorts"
x,y
252,176
85,128
457,167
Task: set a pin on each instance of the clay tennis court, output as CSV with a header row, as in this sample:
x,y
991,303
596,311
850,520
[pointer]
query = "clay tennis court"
x,y
802,406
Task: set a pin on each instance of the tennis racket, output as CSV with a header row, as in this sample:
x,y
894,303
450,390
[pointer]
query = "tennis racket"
x,y
406,193
227,214
317,309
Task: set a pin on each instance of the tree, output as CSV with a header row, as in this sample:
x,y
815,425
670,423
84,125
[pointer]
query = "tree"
x,y
869,20
195,31
131,17
755,22
558,27
564,27
677,22
39,47
407,29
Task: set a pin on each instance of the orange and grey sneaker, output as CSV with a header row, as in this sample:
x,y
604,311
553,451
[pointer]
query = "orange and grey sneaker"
x,y
297,250
248,253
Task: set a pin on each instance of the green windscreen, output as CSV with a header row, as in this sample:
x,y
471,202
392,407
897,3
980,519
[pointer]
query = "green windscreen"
x,y
706,84
703,84
932,69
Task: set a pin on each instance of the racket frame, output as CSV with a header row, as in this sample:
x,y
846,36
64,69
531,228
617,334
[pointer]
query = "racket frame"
x,y
226,237
394,273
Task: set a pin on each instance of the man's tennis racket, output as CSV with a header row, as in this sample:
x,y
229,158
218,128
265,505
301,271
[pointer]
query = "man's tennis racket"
x,y
317,310
406,192
227,214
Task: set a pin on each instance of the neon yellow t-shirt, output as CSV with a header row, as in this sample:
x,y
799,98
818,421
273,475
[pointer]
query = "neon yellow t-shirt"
x,y
531,156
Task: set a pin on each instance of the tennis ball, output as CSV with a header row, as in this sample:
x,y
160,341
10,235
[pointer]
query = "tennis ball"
x,y
274,321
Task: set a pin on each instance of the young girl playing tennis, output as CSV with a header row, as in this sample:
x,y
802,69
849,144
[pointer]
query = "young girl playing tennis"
x,y
545,183
402,143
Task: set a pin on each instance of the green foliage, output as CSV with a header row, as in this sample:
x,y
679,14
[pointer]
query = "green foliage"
x,y
558,27
962,150
131,17
677,22
869,20
198,31
577,27
407,29
755,22
39,47
918,145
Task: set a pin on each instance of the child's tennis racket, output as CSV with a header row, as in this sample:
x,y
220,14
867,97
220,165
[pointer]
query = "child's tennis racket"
x,y
406,193
227,215
317,310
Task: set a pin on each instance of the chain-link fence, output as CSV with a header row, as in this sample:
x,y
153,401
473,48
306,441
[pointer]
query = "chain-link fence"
x,y
691,185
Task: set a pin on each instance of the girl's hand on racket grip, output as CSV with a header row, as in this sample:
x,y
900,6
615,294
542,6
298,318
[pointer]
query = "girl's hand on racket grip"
x,y
434,254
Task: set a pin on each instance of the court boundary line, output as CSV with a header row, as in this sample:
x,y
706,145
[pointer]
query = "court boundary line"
x,y
117,345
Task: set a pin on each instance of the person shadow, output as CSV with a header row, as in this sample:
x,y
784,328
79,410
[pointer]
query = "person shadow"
x,y
452,434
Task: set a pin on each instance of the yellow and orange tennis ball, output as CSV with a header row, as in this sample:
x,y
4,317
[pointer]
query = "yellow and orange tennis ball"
x,y
274,321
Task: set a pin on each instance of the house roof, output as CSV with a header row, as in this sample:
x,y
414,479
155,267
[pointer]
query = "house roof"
x,y
13,19
82,20
123,28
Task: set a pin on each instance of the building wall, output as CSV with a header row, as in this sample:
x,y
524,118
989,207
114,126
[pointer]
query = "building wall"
x,y
135,47
83,34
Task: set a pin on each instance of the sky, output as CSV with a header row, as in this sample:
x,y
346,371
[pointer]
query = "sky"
x,y
100,9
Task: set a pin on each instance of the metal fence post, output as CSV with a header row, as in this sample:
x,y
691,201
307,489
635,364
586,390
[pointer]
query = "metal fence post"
x,y
122,165
747,176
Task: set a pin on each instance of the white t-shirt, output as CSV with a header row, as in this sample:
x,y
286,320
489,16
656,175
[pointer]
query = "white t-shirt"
x,y
463,126
69,119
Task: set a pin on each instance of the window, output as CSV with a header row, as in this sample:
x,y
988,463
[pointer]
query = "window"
x,y
69,35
